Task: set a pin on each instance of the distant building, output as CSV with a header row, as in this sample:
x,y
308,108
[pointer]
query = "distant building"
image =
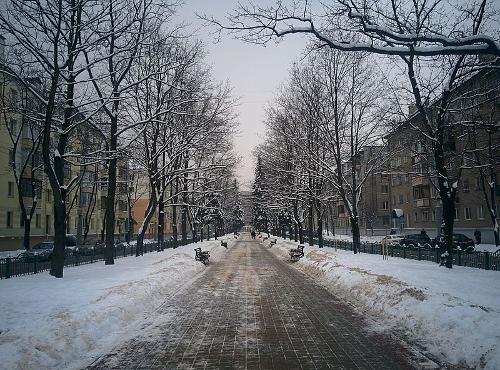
x,y
414,199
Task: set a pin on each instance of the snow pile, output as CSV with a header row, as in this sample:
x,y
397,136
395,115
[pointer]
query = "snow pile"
x,y
454,314
49,323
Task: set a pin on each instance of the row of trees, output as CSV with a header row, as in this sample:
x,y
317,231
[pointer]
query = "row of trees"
x,y
115,81
432,48
330,110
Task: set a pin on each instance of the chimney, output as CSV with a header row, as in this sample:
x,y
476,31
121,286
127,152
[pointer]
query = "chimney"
x,y
2,49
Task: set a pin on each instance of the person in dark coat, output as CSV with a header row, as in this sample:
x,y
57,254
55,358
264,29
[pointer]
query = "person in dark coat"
x,y
477,235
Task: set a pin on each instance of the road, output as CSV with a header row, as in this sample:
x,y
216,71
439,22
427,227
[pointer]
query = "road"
x,y
252,310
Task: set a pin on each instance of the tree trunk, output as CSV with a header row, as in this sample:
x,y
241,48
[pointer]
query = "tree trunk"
x,y
161,222
447,231
110,206
139,249
57,260
174,213
310,226
356,237
27,232
320,228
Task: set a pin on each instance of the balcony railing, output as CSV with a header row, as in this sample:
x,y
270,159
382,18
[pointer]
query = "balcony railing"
x,y
422,203
417,180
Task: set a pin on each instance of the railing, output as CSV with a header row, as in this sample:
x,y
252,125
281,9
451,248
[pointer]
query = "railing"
x,y
482,260
11,267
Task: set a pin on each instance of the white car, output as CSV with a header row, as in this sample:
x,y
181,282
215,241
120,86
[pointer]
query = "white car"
x,y
392,240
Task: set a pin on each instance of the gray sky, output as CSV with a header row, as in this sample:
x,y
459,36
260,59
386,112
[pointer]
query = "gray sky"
x,y
255,72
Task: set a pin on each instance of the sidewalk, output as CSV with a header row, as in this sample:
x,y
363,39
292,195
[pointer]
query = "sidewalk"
x,y
252,310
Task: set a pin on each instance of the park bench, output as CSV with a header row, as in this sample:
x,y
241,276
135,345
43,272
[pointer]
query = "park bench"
x,y
296,254
201,256
223,243
273,242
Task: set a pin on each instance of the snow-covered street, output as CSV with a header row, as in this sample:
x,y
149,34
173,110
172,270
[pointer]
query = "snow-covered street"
x,y
49,323
454,314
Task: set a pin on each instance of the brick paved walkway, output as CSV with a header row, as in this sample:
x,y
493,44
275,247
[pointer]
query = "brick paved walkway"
x,y
254,311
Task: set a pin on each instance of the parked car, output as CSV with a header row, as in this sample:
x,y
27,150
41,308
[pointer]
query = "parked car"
x,y
461,242
416,241
392,240
42,251
91,246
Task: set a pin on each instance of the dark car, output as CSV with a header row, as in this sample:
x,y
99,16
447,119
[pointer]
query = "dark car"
x,y
416,241
90,247
42,252
461,242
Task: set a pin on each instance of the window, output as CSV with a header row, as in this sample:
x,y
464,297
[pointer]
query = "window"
x,y
12,158
456,214
385,205
122,205
425,216
407,198
92,226
467,213
68,225
103,202
480,213
433,216
13,127
10,220
49,195
47,224
13,97
67,170
466,186
85,198
37,221
479,183
10,189
400,198
385,220
104,183
415,217
27,188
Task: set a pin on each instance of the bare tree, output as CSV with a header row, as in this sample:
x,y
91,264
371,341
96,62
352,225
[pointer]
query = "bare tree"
x,y
409,31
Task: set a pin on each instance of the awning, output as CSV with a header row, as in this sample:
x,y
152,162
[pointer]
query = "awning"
x,y
397,213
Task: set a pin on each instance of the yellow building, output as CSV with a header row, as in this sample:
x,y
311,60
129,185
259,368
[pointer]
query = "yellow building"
x,y
86,203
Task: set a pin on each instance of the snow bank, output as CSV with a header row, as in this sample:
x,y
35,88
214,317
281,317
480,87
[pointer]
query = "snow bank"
x,y
454,314
49,323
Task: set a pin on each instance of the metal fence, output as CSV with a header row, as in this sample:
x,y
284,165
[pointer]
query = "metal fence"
x,y
10,267
482,260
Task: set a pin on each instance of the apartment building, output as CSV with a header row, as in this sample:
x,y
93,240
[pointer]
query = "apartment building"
x,y
374,203
20,152
472,143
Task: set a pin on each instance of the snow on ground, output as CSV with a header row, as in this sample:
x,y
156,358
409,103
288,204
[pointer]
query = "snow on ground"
x,y
454,314
49,323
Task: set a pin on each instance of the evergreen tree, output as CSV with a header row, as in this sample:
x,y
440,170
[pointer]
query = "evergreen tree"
x,y
260,214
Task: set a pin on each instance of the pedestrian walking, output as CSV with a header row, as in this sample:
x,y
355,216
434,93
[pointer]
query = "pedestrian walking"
x,y
477,235
253,234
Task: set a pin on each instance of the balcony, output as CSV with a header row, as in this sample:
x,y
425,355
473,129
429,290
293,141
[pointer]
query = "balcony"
x,y
423,203
419,180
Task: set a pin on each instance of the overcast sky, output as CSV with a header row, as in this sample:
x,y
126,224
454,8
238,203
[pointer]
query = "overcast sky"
x,y
255,72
